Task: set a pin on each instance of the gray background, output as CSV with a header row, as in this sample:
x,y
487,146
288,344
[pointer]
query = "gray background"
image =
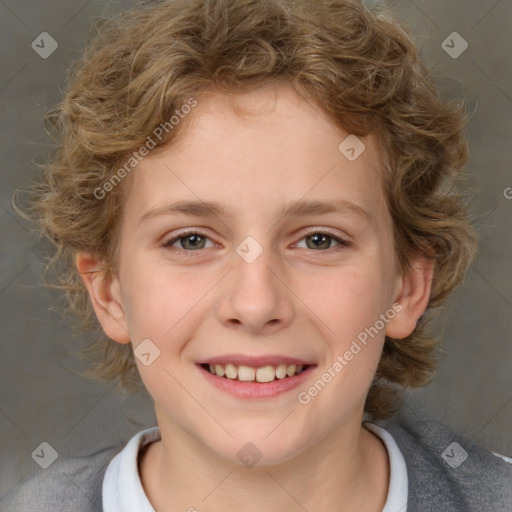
x,y
42,398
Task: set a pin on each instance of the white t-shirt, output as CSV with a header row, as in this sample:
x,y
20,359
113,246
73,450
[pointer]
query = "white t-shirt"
x,y
123,491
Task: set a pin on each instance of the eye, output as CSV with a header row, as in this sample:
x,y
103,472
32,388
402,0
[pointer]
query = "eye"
x,y
194,240
322,240
189,241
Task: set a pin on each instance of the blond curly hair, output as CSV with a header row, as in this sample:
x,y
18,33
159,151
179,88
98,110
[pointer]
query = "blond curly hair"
x,y
360,66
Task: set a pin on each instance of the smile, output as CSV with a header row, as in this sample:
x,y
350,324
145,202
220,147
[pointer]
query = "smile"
x,y
262,374
255,377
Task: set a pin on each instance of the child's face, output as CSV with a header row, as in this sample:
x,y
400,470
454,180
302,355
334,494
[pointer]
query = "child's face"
x,y
292,302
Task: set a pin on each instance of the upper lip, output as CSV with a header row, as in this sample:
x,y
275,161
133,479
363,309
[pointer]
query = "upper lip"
x,y
255,361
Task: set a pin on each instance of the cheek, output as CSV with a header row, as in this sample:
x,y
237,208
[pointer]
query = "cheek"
x,y
167,308
348,306
346,301
157,298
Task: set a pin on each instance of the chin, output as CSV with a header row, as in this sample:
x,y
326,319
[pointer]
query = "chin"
x,y
256,451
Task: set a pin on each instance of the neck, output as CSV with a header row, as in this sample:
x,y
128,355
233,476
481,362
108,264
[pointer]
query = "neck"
x,y
343,473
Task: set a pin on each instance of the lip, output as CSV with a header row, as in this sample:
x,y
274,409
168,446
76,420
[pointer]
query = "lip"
x,y
255,361
254,390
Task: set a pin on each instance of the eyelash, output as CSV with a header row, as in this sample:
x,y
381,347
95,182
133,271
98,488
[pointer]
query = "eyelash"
x,y
169,244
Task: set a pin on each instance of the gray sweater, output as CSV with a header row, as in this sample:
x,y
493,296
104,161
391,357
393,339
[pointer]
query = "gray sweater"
x,y
441,478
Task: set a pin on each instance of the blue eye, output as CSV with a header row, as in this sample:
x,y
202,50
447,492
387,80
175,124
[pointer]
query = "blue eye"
x,y
194,240
321,239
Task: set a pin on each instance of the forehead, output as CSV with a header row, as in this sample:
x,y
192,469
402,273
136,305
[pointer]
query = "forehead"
x,y
258,153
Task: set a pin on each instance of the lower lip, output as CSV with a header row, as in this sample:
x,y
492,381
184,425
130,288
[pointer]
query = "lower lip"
x,y
243,389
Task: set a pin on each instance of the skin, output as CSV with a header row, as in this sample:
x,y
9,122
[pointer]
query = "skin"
x,y
294,299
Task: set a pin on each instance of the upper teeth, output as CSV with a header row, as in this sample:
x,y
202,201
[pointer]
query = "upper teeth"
x,y
262,374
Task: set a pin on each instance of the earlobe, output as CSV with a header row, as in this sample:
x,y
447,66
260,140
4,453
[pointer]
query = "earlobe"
x,y
413,296
105,295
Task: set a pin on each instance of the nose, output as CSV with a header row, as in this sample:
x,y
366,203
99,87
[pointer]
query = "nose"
x,y
255,298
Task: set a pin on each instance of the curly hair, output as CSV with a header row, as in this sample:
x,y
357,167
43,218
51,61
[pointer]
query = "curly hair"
x,y
359,65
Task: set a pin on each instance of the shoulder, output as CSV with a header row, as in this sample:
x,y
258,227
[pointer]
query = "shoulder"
x,y
448,471
72,483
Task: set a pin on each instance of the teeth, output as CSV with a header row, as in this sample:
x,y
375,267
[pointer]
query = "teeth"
x,y
231,371
246,373
266,373
281,371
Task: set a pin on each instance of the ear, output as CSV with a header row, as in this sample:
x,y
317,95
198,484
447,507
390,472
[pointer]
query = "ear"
x,y
105,295
413,294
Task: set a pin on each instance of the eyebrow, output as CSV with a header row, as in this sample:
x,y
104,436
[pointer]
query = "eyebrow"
x,y
297,208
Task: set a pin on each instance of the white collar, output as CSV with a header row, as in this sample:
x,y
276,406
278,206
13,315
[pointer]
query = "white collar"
x,y
122,488
398,480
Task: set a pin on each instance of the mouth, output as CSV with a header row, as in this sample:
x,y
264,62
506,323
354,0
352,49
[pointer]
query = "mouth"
x,y
255,378
262,374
